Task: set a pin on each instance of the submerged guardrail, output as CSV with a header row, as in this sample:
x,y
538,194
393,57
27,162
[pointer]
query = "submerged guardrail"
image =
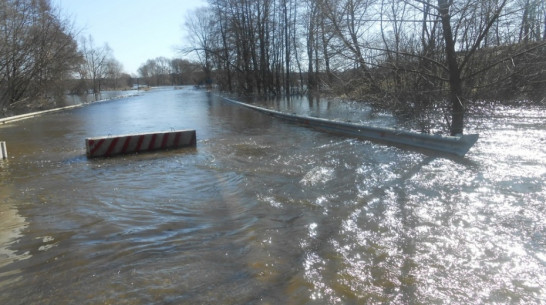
x,y
134,143
456,145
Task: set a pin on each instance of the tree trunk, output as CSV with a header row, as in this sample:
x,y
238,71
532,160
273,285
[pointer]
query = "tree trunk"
x,y
287,48
455,82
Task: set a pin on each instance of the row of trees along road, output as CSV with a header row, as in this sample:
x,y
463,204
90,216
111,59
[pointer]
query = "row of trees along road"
x,y
420,56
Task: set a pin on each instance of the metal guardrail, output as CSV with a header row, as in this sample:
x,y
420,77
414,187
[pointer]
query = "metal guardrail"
x,y
454,145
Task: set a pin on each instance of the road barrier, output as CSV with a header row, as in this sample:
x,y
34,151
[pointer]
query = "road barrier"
x,y
3,151
128,144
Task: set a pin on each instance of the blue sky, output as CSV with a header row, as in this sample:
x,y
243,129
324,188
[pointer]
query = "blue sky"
x,y
136,30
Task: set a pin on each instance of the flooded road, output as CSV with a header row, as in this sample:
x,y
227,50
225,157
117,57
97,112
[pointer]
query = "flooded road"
x,y
266,212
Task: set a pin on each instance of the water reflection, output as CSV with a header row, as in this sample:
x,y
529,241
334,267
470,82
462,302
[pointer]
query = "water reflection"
x,y
12,225
266,212
315,106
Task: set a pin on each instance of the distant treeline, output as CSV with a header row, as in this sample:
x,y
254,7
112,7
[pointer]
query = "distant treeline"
x,y
414,55
162,71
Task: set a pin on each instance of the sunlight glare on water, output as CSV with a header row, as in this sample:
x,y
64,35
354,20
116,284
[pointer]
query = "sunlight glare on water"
x,y
267,212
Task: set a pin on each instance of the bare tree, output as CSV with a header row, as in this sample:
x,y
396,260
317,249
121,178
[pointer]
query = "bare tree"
x,y
200,24
533,16
114,73
455,67
184,71
95,64
157,72
350,21
37,53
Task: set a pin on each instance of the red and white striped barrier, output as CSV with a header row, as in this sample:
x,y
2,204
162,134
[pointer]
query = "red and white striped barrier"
x,y
127,144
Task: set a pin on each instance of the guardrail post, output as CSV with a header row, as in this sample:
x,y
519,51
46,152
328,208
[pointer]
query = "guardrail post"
x,y
3,151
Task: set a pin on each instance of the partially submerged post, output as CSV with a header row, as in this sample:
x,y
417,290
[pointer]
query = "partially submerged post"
x,y
3,151
127,144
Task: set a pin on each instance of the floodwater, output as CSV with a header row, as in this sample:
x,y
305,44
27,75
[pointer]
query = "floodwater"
x,y
75,99
267,212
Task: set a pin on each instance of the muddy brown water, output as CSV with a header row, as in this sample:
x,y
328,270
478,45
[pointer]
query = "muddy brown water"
x,y
267,212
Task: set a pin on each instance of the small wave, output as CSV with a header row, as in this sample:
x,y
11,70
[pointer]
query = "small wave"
x,y
317,175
